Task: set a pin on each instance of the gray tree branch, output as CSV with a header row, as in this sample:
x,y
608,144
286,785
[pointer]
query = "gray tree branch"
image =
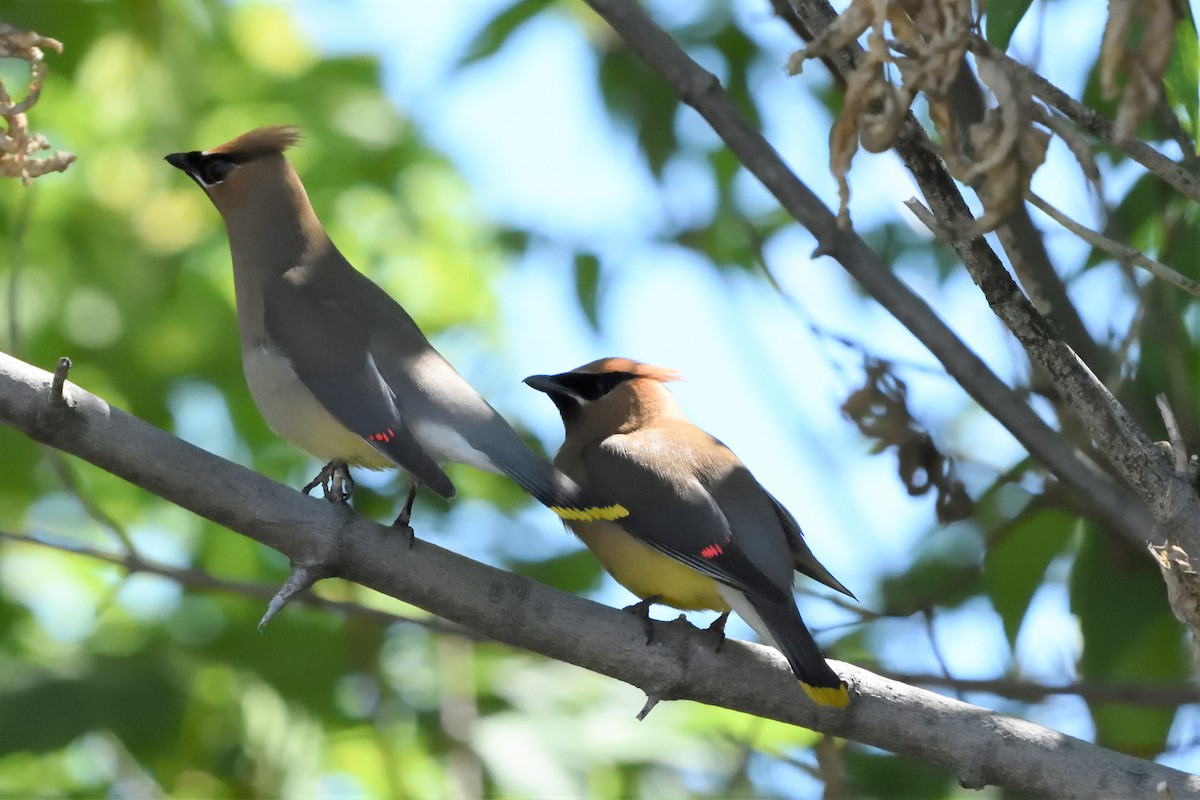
x,y
194,579
1169,496
1111,503
980,747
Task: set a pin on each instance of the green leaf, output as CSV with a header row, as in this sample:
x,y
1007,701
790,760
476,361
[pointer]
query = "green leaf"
x,y
644,102
946,573
1183,74
872,774
1016,562
1002,19
140,699
573,572
1129,634
587,287
500,28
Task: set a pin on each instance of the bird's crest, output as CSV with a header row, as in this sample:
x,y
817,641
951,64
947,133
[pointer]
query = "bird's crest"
x,y
641,370
259,142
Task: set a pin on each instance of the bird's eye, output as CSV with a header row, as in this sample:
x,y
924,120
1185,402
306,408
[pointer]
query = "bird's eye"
x,y
216,169
589,387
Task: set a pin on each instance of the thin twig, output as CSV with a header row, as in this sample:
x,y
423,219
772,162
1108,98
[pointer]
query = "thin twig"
x,y
58,463
1116,249
1142,694
939,656
192,578
1101,127
1174,434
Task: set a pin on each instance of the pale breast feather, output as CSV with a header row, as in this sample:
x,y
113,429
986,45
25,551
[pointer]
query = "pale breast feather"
x,y
292,411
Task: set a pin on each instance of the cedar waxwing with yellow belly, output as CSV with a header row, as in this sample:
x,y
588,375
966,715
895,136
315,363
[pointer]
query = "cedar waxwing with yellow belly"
x,y
701,532
334,364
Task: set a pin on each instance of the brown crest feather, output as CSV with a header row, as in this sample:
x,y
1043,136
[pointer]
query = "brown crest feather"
x,y
660,374
259,142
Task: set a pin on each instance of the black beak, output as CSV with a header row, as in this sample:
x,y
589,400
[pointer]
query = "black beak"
x,y
189,164
543,383
178,160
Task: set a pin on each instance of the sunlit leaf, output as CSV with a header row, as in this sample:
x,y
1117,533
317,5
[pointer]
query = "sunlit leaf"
x,y
1016,562
500,29
1129,634
587,287
1001,20
1182,79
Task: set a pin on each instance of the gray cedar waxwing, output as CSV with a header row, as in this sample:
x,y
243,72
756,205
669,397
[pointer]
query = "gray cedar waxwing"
x,y
701,532
334,364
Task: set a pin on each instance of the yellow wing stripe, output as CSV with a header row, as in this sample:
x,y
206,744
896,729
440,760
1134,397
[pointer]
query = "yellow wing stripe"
x,y
593,514
836,696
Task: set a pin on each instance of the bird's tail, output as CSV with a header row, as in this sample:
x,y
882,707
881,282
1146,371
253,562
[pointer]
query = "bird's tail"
x,y
791,636
560,494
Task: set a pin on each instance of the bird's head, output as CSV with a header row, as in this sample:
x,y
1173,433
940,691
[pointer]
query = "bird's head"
x,y
611,395
234,173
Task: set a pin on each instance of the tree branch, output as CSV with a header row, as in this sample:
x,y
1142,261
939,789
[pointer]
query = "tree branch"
x,y
1111,503
1177,176
1012,688
1172,502
1118,250
977,745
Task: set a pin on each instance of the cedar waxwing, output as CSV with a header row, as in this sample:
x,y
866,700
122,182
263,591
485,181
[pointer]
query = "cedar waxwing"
x,y
334,364
701,532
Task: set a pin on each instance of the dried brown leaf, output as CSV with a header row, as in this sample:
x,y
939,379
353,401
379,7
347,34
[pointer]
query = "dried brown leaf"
x,y
18,145
1152,24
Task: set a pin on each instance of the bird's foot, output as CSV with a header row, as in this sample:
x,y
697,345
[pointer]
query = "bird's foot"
x,y
717,628
300,578
406,530
642,611
402,521
335,482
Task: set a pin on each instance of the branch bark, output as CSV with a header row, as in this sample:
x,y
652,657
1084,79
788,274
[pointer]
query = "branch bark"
x,y
1167,495
979,746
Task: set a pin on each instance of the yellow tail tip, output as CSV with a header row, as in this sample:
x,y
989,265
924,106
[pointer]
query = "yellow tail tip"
x,y
835,696
593,514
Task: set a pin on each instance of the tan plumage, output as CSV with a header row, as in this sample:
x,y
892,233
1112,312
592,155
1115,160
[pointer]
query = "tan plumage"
x,y
334,364
701,533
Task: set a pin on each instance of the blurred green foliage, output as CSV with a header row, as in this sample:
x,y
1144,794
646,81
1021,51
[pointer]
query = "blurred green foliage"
x,y
128,685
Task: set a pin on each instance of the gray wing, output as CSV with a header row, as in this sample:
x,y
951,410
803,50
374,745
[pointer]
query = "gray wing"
x,y
675,514
768,532
802,556
327,345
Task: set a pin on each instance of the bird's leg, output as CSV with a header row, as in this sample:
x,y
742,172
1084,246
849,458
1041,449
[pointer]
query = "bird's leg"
x,y
405,515
334,480
718,629
642,611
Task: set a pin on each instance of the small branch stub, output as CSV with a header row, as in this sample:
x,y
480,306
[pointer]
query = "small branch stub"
x,y
651,701
56,384
302,577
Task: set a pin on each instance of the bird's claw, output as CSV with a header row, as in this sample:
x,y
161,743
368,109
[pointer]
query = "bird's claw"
x,y
717,628
402,521
406,530
335,482
641,610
